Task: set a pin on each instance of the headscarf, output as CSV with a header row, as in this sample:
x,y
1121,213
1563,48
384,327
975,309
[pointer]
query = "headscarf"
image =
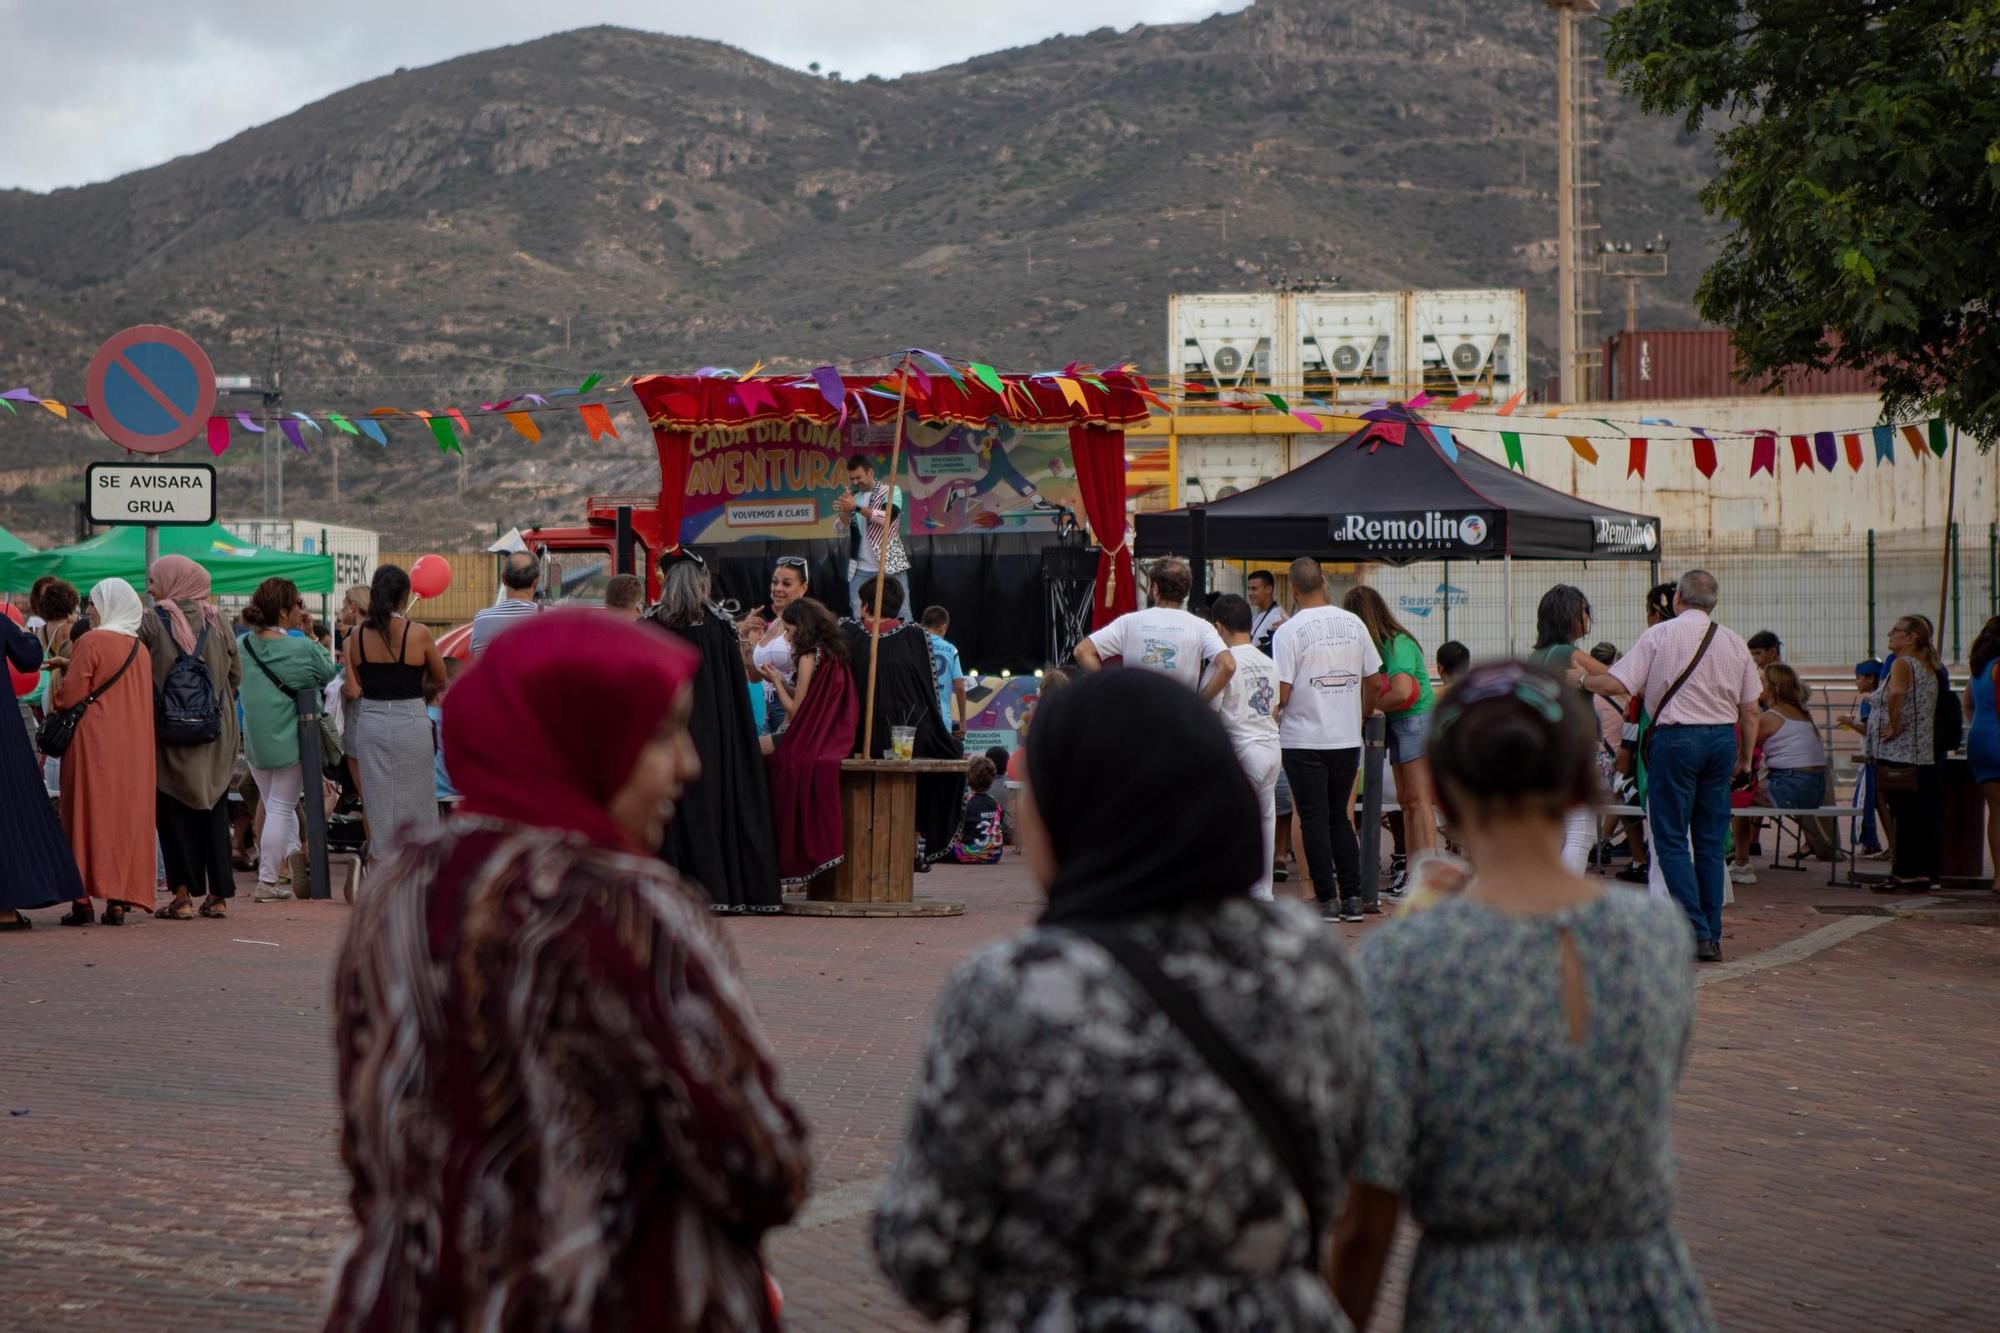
x,y
1143,798
118,608
546,726
176,579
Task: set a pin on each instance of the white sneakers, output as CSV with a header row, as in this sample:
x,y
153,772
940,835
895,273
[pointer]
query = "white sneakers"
x,y
1742,874
271,893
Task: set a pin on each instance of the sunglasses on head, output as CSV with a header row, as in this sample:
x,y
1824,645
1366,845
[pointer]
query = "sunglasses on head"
x,y
797,562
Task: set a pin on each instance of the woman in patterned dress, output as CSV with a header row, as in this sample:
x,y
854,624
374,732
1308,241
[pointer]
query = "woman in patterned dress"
x,y
560,1113
1528,1034
1074,1161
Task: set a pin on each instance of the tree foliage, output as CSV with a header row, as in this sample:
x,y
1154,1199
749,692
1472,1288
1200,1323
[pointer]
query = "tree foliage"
x,y
1859,149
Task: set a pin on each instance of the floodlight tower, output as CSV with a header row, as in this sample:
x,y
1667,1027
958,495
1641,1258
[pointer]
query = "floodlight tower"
x,y
1576,262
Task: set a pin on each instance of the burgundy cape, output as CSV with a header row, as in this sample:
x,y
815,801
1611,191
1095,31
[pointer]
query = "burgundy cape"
x,y
805,774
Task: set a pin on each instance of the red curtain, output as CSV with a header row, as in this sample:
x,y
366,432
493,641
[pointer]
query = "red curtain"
x,y
675,448
1099,455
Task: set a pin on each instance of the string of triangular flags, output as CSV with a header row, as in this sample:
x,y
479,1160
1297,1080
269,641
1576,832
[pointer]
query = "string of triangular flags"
x,y
449,427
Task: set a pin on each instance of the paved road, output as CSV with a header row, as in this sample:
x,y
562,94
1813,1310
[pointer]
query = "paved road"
x,y
169,1152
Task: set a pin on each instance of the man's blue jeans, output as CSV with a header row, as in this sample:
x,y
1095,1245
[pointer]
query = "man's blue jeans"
x,y
861,576
1687,795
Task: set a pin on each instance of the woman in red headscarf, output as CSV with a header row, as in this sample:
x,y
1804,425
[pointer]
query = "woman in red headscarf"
x,y
560,1111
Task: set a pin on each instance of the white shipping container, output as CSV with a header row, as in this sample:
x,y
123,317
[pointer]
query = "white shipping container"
x,y
1470,342
1346,346
1225,340
354,550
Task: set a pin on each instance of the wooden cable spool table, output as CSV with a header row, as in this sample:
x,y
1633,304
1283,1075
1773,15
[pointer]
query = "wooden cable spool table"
x,y
878,814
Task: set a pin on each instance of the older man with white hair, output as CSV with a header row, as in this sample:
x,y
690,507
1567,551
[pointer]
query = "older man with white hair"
x,y
1700,687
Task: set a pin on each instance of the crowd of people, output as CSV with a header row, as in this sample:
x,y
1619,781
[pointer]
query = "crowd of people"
x,y
1499,1063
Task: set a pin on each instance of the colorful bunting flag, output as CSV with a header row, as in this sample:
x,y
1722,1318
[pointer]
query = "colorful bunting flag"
x,y
1442,434
373,431
218,436
1512,444
589,384
1463,403
1583,448
1824,449
464,426
60,409
1764,455
1636,463
597,418
295,433
441,430
1385,432
1704,452
1801,454
1072,393
988,376
830,387
1938,445
1277,402
243,420
525,427
1312,422
341,423
1885,445
1916,439
1420,400
1852,444
1507,408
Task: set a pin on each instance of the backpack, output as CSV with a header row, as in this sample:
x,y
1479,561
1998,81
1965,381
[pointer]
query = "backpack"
x,y
1949,724
189,712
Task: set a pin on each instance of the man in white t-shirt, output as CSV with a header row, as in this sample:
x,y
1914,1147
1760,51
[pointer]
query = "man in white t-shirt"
x,y
1249,712
1329,676
1164,637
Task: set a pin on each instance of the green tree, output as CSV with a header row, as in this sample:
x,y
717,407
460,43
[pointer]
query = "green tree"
x,y
1859,143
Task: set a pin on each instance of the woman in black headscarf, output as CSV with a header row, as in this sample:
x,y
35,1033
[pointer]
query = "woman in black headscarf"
x,y
906,695
1158,1087
720,836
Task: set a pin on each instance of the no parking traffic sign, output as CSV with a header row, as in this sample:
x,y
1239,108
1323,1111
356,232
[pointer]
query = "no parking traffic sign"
x,y
151,389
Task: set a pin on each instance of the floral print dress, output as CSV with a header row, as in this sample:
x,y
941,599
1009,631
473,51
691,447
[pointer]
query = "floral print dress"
x,y
1073,1164
1540,1168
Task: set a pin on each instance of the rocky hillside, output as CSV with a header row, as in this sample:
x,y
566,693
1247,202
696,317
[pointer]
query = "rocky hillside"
x,y
619,201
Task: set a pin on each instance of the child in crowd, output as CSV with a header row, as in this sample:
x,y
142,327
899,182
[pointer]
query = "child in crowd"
x,y
1867,676
979,838
946,669
447,795
1453,658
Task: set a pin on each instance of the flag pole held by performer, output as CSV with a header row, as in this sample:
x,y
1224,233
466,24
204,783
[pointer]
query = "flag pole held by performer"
x,y
882,552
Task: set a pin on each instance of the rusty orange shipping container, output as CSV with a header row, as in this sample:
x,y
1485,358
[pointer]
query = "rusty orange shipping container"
x,y
1700,363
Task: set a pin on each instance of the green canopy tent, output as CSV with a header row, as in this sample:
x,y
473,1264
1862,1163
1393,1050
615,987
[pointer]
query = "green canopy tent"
x,y
234,566
11,546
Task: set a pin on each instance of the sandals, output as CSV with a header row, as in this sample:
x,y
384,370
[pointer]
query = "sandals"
x,y
78,916
114,914
18,923
214,910
185,912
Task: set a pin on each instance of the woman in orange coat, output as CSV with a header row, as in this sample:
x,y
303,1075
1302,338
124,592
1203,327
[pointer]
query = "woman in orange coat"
x,y
107,775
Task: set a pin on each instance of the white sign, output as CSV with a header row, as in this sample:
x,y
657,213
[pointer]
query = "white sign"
x,y
772,513
150,494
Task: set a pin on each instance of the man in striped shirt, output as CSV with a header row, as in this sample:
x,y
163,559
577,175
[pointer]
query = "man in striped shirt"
x,y
1701,741
519,577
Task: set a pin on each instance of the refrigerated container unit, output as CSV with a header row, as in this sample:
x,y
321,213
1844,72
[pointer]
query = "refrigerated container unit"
x,y
1225,342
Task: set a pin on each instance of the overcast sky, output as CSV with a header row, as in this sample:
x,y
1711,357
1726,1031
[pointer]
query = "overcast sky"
x,y
94,88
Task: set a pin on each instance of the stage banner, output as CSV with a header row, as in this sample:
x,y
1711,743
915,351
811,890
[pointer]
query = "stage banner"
x,y
779,479
997,705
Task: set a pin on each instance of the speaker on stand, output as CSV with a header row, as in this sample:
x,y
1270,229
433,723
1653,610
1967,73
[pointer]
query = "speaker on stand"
x,y
1069,580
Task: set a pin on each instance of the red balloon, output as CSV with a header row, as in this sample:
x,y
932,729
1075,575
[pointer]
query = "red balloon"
x,y
430,576
24,681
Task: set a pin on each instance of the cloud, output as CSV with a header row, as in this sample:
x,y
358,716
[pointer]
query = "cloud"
x,y
96,88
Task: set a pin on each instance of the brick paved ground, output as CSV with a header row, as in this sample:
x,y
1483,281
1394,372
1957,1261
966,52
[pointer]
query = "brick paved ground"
x,y
175,1166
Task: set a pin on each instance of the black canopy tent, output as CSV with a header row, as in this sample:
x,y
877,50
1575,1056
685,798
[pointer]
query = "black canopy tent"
x,y
1389,494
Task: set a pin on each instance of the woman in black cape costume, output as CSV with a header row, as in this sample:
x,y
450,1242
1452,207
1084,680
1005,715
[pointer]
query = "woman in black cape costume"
x,y
720,836
905,695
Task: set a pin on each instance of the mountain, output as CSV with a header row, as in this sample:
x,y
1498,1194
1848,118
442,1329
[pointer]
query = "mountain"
x,y
620,201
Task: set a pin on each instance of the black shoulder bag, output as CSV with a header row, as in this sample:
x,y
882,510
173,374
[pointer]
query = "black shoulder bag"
x,y
59,728
1184,1011
1646,746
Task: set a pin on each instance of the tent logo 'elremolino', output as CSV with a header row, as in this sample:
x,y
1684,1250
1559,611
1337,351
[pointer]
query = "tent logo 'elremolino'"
x,y
1626,534
1430,529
